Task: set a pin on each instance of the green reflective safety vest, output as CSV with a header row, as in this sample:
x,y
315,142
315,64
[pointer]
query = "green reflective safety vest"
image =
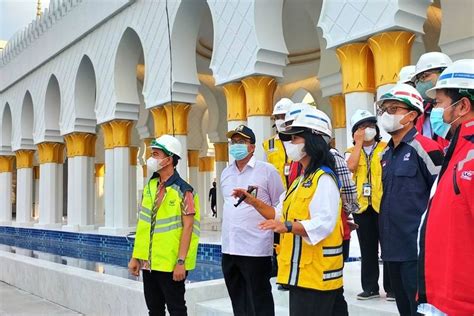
x,y
168,228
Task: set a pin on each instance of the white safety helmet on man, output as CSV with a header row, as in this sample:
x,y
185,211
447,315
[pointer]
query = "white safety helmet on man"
x,y
282,106
460,75
310,119
361,116
296,110
403,93
429,61
168,144
406,74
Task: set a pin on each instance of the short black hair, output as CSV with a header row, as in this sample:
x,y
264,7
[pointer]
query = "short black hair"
x,y
175,160
318,151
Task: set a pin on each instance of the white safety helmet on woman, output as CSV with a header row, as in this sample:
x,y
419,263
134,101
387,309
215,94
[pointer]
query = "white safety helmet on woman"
x,y
361,116
310,119
403,93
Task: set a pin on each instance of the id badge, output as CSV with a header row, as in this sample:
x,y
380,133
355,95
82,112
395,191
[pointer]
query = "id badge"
x,y
366,189
286,170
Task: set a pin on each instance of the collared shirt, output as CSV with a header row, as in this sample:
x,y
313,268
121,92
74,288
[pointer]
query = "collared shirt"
x,y
408,172
240,232
348,188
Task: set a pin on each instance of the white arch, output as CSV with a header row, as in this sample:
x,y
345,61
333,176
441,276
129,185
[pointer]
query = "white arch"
x,y
27,122
6,138
52,110
85,91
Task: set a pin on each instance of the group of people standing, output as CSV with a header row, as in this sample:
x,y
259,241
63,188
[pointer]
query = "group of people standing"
x,y
410,193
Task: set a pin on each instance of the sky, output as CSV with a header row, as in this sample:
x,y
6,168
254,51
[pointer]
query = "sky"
x,y
17,14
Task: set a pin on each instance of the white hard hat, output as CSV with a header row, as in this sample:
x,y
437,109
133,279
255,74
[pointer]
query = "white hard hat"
x,y
361,116
282,106
406,74
460,75
296,110
169,144
431,60
313,119
404,93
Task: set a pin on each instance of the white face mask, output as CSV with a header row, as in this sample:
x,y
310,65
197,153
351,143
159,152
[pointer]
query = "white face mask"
x,y
279,124
370,133
391,122
295,152
154,164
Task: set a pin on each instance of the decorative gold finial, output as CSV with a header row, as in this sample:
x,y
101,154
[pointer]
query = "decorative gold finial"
x,y
38,9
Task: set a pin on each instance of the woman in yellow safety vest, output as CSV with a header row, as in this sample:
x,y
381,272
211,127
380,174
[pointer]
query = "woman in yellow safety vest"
x,y
309,220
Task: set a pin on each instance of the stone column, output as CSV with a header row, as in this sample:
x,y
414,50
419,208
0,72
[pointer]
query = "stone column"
x,y
80,148
6,169
109,179
339,122
222,157
236,106
36,176
147,142
206,168
177,123
357,66
259,92
193,164
99,194
24,187
51,159
133,185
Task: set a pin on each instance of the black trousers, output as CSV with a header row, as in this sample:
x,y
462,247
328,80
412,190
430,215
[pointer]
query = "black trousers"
x,y
368,234
160,289
317,303
345,249
404,283
248,283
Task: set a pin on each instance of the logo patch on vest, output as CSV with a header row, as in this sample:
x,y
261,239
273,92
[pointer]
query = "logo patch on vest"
x,y
172,203
406,157
467,175
307,184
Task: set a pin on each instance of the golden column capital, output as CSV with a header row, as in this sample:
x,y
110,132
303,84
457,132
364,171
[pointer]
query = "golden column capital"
x,y
122,133
193,158
24,158
206,164
235,98
133,155
6,163
145,171
338,105
108,135
259,92
159,120
357,66
50,152
36,172
177,118
99,170
80,144
221,151
391,51
147,142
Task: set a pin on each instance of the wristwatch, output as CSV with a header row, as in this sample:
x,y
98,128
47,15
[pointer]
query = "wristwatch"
x,y
180,261
289,226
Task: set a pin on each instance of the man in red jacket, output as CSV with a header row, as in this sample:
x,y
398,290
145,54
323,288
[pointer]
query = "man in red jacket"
x,y
446,239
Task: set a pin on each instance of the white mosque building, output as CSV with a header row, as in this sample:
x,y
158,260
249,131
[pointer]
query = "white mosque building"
x,y
88,83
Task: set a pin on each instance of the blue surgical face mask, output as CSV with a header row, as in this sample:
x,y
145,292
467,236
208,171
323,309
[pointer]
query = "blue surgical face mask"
x,y
238,151
438,125
422,87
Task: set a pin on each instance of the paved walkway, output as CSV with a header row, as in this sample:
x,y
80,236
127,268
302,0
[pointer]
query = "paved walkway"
x,y
14,301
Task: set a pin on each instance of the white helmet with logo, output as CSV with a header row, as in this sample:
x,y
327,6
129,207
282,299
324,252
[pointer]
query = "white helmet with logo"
x,y
169,144
313,119
460,75
361,116
282,106
431,60
406,74
296,110
404,93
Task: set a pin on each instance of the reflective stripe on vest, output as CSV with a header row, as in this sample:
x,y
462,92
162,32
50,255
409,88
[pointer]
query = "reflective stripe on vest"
x,y
276,155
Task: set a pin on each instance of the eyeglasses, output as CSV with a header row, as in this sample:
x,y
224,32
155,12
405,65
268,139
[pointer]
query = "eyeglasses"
x,y
423,76
239,141
390,109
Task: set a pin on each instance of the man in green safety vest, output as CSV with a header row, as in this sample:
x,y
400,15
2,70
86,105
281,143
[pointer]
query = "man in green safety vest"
x,y
168,231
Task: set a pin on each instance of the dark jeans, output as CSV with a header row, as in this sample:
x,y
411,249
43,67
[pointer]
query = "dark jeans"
x,y
248,283
160,289
345,249
403,276
368,234
317,303
214,209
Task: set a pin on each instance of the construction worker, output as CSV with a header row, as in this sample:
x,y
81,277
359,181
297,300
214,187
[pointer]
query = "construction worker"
x,y
308,217
410,164
364,163
167,235
427,70
445,278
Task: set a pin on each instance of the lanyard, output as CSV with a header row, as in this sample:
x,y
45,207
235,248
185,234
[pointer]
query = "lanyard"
x,y
368,159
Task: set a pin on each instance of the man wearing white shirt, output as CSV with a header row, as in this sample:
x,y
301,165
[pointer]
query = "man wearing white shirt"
x,y
246,249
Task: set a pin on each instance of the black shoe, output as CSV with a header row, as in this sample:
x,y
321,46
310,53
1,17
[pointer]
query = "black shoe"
x,y
367,295
283,288
390,297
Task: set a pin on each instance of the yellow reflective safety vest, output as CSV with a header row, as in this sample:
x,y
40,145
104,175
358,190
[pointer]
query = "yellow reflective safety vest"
x,y
276,155
168,226
301,264
361,176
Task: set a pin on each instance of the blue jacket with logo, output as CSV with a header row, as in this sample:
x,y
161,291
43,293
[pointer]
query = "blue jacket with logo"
x,y
408,172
